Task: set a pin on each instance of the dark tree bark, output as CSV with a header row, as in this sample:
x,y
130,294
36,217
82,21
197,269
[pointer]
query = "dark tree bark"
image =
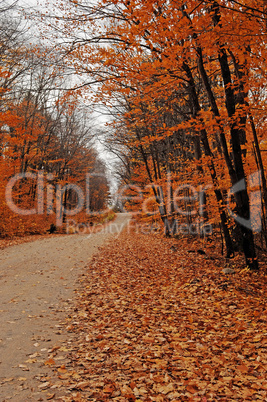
x,y
208,152
241,197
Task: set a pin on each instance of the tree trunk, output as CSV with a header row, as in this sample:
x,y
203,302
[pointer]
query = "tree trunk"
x,y
208,152
241,197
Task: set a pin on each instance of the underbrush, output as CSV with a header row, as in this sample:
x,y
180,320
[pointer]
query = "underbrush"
x,y
15,226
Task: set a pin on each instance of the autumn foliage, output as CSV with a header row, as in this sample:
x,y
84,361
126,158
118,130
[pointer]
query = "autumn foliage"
x,y
44,133
185,83
184,86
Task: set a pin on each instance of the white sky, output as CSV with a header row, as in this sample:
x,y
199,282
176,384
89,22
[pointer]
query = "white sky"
x,y
30,6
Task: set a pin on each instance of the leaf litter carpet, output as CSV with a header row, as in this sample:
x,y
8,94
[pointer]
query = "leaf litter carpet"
x,y
154,322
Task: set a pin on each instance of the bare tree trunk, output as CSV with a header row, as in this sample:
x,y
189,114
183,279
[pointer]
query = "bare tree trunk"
x,y
208,152
242,198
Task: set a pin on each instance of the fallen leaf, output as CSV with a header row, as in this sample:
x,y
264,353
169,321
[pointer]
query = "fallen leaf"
x,y
50,396
49,362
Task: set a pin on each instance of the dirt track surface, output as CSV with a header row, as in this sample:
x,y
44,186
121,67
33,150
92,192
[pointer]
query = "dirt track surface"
x,y
38,280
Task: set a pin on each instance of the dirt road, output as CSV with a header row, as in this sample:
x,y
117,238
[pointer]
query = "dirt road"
x,y
38,280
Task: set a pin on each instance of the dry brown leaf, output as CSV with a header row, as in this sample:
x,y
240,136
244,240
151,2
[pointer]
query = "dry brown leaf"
x,y
50,362
50,396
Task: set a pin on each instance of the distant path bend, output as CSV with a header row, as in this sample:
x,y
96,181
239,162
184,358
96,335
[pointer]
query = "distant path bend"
x,y
37,279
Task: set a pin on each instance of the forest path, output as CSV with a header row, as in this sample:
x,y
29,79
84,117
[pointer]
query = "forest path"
x,y
38,280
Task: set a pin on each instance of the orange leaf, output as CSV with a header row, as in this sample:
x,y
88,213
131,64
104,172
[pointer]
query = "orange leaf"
x,y
243,368
50,362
